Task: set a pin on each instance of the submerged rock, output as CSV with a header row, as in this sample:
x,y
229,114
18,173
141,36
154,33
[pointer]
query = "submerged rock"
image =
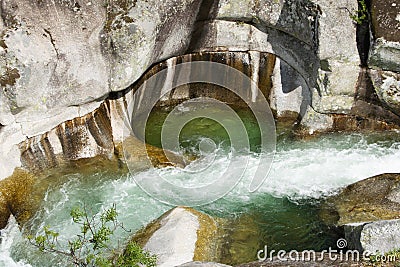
x,y
22,193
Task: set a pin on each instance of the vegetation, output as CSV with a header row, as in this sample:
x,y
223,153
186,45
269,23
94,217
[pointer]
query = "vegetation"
x,y
90,246
361,14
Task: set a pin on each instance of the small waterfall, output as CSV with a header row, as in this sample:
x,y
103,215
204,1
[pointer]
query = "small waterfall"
x,y
97,132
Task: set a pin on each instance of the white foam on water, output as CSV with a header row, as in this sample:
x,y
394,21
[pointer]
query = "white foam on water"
x,y
305,170
8,235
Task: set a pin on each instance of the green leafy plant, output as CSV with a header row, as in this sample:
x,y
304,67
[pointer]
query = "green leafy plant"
x,y
361,14
90,246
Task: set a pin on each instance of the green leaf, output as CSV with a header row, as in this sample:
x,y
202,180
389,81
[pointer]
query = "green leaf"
x,y
109,215
92,250
75,245
77,214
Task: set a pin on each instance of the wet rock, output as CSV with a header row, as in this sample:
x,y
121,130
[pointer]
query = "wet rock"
x,y
82,137
22,193
140,156
16,197
373,199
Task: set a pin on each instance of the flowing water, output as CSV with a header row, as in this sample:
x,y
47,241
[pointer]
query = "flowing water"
x,y
284,211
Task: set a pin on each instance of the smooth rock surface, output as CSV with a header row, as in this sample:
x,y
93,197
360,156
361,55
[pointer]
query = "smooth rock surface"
x,y
179,236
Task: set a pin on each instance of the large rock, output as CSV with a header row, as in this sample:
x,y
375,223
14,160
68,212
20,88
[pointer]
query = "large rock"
x,y
372,199
179,236
385,19
385,55
52,57
59,60
338,71
377,237
183,235
385,22
387,87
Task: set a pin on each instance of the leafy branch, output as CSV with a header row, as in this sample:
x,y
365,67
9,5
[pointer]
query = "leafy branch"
x,y
90,247
361,14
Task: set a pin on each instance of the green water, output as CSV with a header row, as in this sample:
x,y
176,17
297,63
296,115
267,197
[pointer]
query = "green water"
x,y
283,213
199,128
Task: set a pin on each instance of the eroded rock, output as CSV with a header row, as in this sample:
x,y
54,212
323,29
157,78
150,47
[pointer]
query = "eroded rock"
x,y
84,52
